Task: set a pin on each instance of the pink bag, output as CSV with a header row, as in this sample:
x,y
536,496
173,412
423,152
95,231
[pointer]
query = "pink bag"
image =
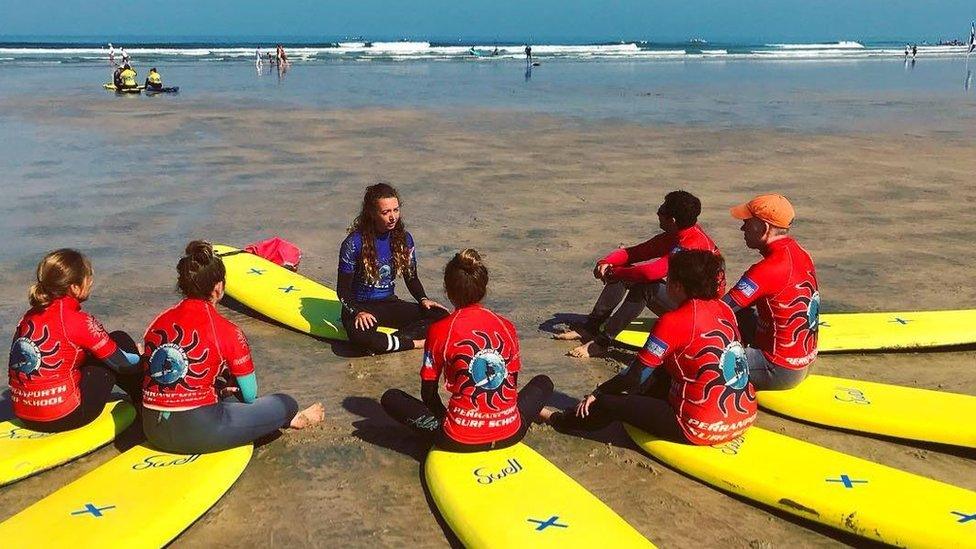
x,y
278,251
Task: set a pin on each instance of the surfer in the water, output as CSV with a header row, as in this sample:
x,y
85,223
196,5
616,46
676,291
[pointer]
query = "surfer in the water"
x,y
777,300
63,364
634,277
696,349
199,387
477,351
377,250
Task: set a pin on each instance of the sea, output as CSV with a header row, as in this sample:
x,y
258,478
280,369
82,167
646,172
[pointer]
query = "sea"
x,y
833,85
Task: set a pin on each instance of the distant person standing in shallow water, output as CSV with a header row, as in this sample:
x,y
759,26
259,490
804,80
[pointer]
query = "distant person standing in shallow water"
x,y
477,352
528,53
378,250
777,301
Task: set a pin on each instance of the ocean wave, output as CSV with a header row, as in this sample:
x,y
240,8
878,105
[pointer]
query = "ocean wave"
x,y
844,44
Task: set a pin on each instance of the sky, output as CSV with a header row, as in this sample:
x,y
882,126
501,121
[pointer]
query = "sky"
x,y
538,21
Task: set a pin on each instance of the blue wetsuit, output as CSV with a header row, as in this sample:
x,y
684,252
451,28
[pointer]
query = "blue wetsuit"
x,y
357,294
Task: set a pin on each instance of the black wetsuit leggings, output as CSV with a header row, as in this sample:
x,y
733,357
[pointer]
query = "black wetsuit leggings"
x,y
97,381
620,304
648,413
410,319
227,424
413,413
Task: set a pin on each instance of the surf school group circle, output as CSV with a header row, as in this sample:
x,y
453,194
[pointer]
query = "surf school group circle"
x,y
192,378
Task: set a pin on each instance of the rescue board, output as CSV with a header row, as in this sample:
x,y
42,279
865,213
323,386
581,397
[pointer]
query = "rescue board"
x,y
815,483
848,332
891,410
24,452
141,498
111,87
514,497
283,295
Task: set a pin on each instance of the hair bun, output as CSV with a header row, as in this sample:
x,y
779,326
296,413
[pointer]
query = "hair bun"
x,y
469,259
199,251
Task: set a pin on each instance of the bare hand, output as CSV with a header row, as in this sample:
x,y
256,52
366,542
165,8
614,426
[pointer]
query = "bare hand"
x,y
601,270
230,390
364,320
583,408
140,348
428,303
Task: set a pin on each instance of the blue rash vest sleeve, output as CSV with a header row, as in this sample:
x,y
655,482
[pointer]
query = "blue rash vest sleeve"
x,y
349,252
249,387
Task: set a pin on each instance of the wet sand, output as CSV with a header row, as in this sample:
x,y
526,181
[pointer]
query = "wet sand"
x,y
887,217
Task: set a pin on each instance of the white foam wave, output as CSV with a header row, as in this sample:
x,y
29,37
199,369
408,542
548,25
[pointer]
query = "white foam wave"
x,y
844,44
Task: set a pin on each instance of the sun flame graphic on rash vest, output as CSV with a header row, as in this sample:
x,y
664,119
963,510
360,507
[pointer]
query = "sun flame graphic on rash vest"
x,y
171,362
805,332
487,375
27,354
730,368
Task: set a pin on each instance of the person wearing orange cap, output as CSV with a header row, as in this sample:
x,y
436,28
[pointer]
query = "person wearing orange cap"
x,y
777,301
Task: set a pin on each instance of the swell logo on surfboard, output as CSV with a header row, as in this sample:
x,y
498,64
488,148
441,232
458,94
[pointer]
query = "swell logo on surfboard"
x,y
19,433
484,476
850,394
163,460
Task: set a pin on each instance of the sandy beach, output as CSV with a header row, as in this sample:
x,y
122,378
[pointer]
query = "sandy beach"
x,y
887,216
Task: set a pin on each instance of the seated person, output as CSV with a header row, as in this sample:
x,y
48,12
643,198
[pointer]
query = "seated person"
x,y
477,351
190,352
696,349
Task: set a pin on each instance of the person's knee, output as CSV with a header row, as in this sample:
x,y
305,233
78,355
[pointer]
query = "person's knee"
x,y
542,383
288,402
390,399
124,341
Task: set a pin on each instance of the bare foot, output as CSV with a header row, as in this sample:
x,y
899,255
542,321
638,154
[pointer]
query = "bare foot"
x,y
568,335
545,413
590,349
419,343
309,416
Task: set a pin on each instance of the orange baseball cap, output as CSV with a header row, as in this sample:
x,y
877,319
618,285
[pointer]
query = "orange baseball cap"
x,y
774,209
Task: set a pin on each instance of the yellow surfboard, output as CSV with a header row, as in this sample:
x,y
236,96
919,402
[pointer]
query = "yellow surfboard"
x,y
903,412
142,498
825,486
846,332
282,295
24,452
514,497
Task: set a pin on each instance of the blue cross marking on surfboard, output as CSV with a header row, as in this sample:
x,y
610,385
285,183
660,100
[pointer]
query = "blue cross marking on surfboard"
x,y
901,321
94,510
963,517
847,481
551,521
256,271
289,289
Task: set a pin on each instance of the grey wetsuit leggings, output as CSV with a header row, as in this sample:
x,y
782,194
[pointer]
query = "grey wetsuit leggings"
x,y
221,426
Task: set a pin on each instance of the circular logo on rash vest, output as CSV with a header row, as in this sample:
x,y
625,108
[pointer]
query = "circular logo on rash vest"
x,y
487,369
168,364
735,367
25,356
813,312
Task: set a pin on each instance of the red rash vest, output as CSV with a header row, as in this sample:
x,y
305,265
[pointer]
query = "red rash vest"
x,y
49,347
783,286
478,353
648,261
187,347
698,344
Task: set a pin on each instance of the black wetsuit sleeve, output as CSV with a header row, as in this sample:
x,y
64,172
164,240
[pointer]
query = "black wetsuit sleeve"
x,y
430,396
628,381
346,295
415,287
119,362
